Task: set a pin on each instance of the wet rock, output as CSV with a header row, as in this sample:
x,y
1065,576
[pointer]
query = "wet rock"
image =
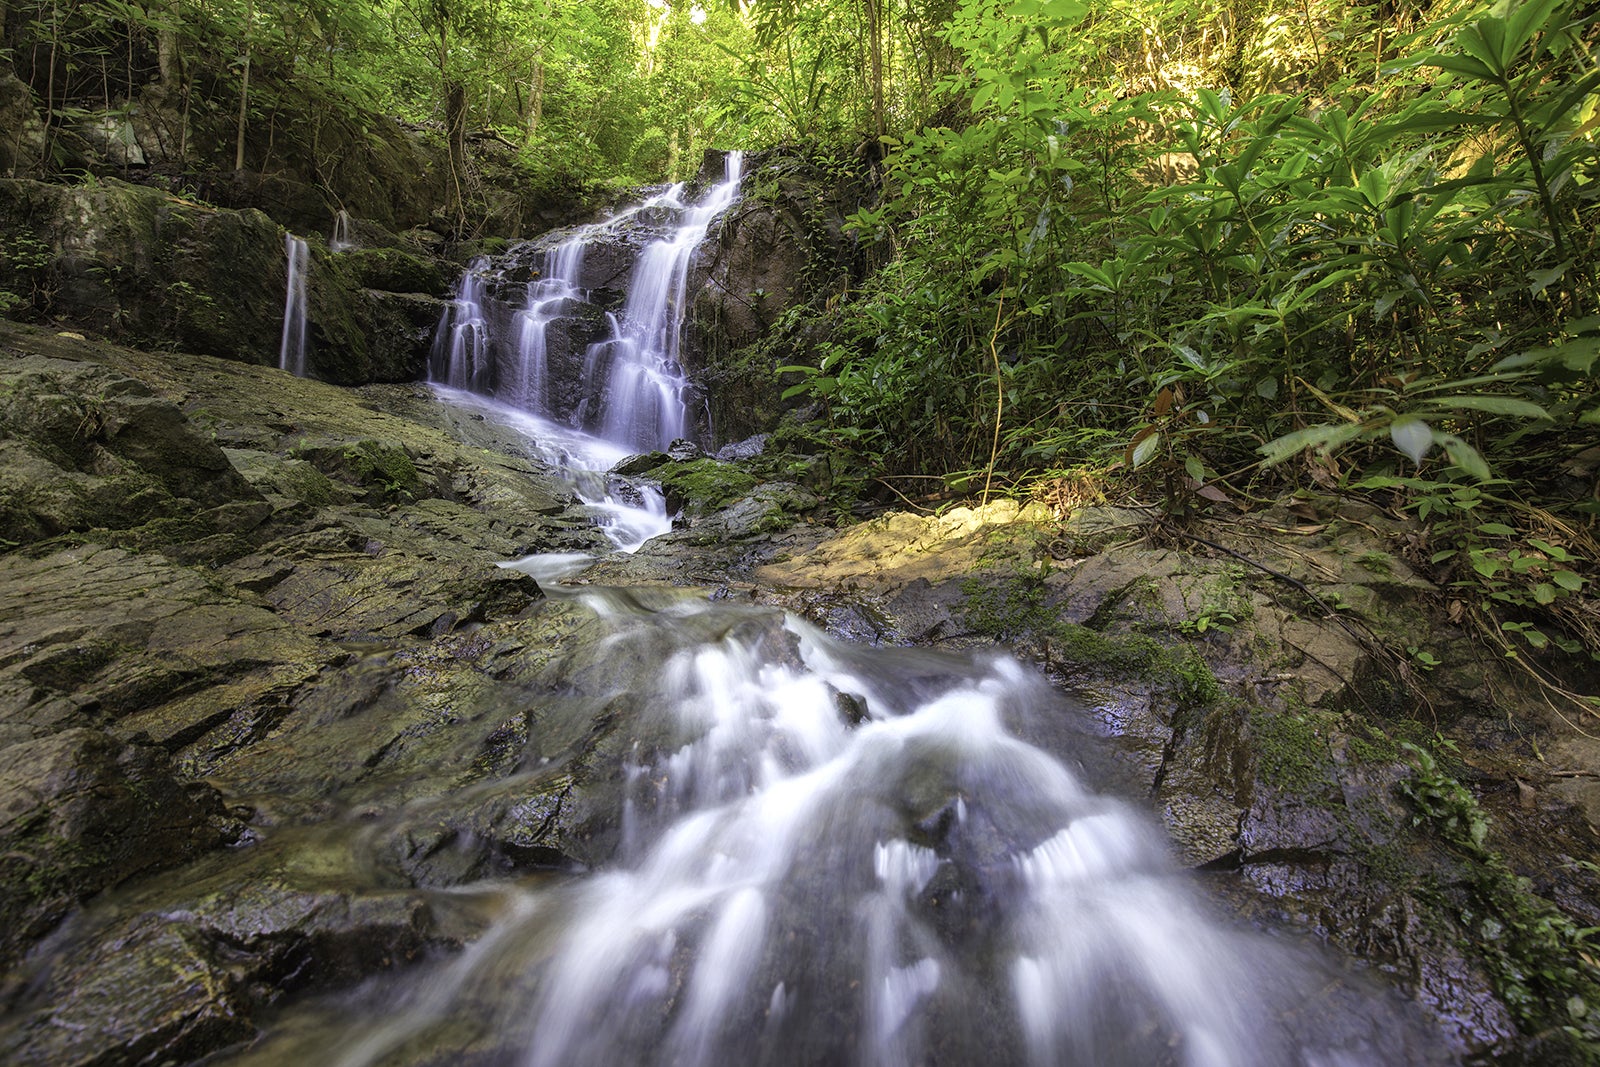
x,y
749,448
91,634
183,970
88,448
81,811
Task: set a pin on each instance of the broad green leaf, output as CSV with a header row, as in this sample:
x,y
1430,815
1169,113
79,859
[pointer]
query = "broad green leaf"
x,y
1463,455
1325,437
1540,280
1463,65
1568,580
1146,449
1527,20
1484,40
1494,405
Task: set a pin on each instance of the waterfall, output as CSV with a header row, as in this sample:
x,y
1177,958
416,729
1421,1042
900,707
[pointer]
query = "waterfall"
x,y
461,347
631,388
341,241
549,296
806,853
292,345
643,391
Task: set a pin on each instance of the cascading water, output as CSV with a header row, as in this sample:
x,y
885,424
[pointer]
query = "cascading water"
x,y
644,383
341,241
633,387
549,296
462,357
835,855
292,345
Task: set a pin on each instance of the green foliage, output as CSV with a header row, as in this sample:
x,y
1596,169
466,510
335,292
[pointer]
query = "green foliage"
x,y
1542,962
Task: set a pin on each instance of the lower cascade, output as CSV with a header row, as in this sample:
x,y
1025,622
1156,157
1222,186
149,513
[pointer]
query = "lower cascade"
x,y
827,854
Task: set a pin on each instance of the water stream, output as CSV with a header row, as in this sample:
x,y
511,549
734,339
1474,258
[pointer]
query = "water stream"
x,y
825,854
292,344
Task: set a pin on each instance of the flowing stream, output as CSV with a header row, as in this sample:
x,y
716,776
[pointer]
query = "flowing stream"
x,y
825,853
292,344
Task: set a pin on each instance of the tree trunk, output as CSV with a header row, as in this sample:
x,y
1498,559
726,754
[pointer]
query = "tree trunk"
x,y
244,89
536,98
874,13
168,56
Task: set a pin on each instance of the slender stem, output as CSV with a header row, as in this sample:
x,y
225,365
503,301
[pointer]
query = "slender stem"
x,y
1529,150
999,397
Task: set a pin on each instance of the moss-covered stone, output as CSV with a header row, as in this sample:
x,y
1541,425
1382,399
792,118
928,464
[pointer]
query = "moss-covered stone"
x,y
701,486
396,271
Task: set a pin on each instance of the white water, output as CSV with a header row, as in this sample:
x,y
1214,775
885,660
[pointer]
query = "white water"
x,y
627,514
638,371
341,241
292,344
633,383
462,355
550,295
923,886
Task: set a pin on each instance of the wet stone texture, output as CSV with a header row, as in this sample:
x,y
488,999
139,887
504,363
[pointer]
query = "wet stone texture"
x,y
251,628
269,710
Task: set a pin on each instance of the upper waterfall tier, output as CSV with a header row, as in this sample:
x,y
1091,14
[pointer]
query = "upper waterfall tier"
x,y
585,326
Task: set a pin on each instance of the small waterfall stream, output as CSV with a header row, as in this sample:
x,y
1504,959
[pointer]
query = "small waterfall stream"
x,y
830,854
292,345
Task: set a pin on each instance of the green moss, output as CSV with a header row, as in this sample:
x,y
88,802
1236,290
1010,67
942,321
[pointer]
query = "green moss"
x,y
386,466
1541,961
1130,653
702,486
161,532
1379,563
394,271
1291,753
1370,745
1013,606
305,483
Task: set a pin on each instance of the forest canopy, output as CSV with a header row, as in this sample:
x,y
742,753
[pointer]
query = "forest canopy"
x,y
1206,250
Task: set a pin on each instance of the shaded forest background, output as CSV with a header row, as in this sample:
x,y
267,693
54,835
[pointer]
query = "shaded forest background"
x,y
1197,254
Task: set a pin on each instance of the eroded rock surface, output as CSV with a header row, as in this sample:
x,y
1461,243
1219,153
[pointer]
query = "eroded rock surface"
x,y
269,710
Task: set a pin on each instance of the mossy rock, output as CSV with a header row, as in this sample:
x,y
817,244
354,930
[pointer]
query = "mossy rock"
x,y
395,271
383,469
701,486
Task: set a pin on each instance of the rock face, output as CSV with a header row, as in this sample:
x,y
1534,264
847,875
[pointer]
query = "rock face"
x,y
224,590
80,811
135,263
783,245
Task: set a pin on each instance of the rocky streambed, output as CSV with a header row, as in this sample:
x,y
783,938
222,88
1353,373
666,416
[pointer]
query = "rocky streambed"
x,y
271,717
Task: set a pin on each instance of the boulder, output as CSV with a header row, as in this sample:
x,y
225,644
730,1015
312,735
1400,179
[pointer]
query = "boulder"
x,y
81,811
